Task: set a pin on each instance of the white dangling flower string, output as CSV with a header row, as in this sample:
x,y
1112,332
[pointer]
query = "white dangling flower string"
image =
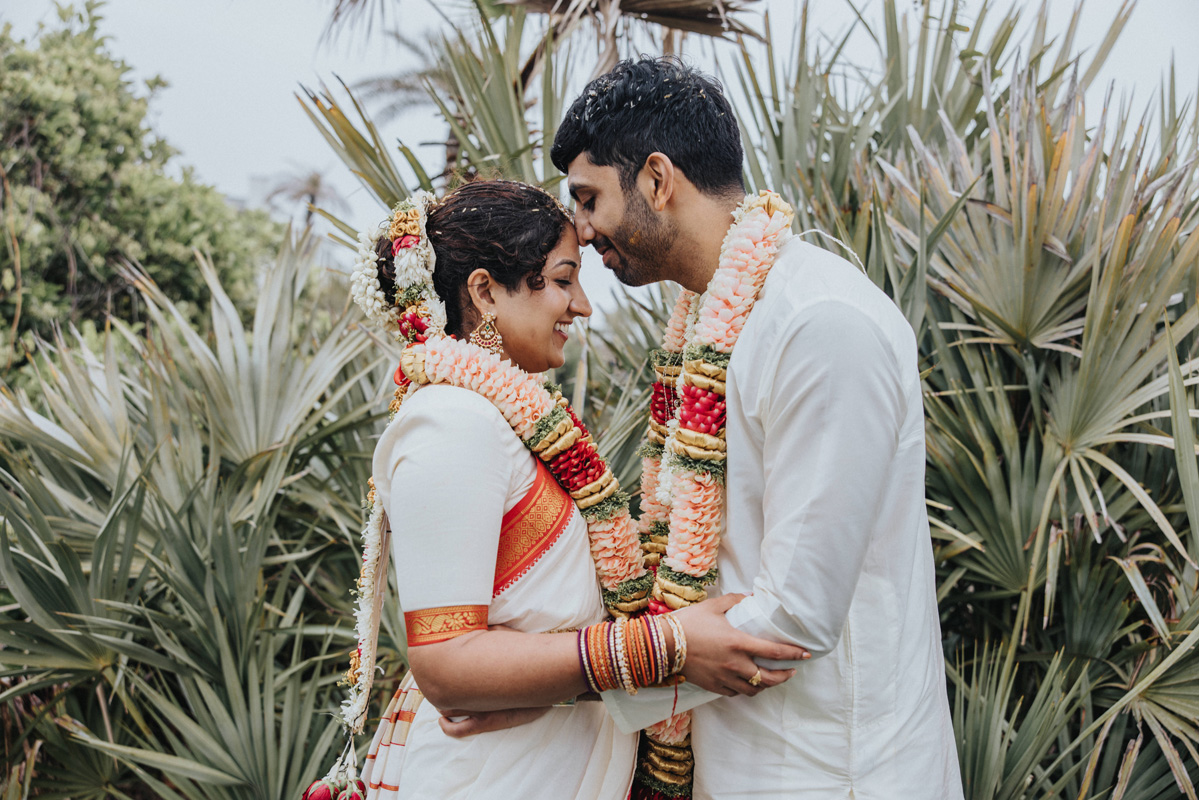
x,y
364,283
417,311
372,582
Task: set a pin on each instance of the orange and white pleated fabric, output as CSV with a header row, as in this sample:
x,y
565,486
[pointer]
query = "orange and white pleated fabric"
x,y
381,769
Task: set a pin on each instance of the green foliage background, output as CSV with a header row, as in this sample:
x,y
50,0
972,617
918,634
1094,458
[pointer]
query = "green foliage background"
x,y
179,510
85,185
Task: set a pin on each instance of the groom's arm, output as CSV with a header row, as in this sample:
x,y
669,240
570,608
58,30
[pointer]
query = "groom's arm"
x,y
831,417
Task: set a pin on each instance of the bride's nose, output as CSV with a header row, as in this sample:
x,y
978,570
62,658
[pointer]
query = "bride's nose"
x,y
579,304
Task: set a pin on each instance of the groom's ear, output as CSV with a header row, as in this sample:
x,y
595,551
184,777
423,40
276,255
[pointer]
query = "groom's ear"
x,y
660,176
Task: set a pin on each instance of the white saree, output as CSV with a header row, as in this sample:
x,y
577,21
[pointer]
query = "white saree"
x,y
451,474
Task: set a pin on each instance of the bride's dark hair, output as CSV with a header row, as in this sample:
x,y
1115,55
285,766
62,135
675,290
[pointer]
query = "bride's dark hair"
x,y
505,227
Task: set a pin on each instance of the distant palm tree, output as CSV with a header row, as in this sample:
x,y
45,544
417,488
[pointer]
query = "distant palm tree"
x,y
443,61
716,18
309,187
399,91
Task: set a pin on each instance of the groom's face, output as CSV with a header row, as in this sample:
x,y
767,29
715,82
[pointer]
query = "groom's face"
x,y
633,240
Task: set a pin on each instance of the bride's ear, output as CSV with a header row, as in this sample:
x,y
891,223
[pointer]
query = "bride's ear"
x,y
480,288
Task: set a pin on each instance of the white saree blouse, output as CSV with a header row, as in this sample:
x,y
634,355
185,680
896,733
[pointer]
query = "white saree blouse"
x,y
448,469
826,528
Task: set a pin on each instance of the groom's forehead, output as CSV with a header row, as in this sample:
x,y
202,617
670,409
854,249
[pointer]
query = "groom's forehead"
x,y
583,174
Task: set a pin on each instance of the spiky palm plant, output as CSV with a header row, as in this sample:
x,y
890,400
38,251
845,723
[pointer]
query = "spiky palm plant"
x,y
1059,298
178,520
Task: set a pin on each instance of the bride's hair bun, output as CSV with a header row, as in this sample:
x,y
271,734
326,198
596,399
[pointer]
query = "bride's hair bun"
x,y
505,227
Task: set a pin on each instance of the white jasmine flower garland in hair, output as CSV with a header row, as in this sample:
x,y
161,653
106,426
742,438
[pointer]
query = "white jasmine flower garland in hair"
x,y
416,314
364,283
417,311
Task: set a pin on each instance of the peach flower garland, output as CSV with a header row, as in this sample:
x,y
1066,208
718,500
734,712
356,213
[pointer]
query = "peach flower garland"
x,y
544,421
683,458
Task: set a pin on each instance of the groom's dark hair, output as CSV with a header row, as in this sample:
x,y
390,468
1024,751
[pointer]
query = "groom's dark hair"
x,y
655,105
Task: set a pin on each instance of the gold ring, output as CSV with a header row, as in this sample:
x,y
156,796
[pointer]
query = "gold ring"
x,y
756,679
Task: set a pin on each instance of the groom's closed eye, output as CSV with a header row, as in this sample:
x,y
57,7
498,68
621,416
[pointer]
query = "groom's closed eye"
x,y
586,205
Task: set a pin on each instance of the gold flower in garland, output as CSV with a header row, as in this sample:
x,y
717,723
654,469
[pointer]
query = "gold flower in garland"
x,y
351,676
406,222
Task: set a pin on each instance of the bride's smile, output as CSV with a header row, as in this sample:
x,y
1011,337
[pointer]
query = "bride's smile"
x,y
535,321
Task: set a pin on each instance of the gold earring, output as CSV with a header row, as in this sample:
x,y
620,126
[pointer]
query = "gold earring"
x,y
487,335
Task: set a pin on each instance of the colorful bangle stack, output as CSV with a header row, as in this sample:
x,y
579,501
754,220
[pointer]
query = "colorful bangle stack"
x,y
631,653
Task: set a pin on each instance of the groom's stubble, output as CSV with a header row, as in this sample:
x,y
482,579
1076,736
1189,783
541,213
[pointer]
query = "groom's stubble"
x,y
643,242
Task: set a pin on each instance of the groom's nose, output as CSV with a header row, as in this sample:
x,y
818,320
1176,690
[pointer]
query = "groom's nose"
x,y
583,227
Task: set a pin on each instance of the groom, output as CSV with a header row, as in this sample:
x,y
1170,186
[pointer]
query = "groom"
x,y
826,528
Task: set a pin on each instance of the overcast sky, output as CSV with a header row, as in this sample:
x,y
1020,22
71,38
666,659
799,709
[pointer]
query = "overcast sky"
x,y
234,66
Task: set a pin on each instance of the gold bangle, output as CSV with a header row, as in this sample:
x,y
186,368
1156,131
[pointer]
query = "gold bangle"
x,y
680,644
622,656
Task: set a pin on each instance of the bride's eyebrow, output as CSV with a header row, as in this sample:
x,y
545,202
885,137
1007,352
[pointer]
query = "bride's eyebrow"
x,y
566,262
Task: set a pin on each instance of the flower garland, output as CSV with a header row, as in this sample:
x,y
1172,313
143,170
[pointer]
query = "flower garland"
x,y
683,458
416,314
547,425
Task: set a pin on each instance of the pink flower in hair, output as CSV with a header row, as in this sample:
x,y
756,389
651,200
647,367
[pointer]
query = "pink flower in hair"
x,y
403,243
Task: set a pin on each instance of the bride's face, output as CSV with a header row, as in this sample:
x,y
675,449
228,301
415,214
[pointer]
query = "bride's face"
x,y
536,323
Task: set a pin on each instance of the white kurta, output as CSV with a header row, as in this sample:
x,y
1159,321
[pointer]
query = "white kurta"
x,y
826,526
447,470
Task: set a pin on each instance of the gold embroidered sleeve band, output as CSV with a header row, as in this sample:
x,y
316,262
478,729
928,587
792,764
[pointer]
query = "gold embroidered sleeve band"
x,y
433,625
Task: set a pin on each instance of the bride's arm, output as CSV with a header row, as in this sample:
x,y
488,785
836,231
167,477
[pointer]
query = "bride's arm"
x,y
447,467
500,669
490,670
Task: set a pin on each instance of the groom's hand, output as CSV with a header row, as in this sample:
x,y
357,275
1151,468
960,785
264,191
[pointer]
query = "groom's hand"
x,y
485,721
720,658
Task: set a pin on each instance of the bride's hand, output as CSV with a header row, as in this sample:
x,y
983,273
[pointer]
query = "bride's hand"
x,y
483,721
720,658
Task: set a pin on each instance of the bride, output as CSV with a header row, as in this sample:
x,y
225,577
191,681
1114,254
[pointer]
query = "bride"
x,y
511,539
